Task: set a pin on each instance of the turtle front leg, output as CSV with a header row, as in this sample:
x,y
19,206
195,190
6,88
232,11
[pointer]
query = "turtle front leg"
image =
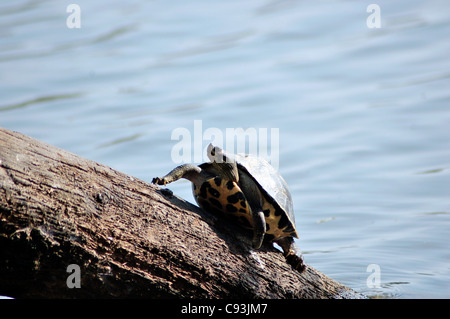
x,y
187,171
293,258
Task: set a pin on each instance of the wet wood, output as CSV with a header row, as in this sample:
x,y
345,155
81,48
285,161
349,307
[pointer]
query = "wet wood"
x,y
129,238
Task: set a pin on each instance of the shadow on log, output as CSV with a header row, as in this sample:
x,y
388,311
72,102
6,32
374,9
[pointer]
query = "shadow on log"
x,y
129,238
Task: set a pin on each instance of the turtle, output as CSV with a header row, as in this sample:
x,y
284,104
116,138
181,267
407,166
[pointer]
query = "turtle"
x,y
248,190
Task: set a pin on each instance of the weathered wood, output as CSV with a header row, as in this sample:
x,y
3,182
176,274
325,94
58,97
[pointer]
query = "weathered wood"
x,y
128,237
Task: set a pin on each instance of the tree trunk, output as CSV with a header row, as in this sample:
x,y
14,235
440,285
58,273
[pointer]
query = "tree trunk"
x,y
73,228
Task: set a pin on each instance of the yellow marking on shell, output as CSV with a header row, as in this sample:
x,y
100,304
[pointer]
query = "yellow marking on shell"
x,y
224,193
272,220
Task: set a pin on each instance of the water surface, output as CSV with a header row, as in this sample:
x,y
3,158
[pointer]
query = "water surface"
x,y
363,114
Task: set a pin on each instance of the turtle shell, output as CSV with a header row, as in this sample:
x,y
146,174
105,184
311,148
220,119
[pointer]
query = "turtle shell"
x,y
217,196
278,207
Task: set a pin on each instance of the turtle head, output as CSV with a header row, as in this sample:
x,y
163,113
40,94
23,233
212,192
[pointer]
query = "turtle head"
x,y
225,165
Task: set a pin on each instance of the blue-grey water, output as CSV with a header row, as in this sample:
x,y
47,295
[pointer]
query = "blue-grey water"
x,y
363,114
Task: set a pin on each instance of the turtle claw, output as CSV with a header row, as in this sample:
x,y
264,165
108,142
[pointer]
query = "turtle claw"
x,y
296,262
159,181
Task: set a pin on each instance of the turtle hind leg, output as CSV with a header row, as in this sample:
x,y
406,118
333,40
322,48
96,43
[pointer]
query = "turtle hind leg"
x,y
255,200
188,171
296,262
259,230
293,258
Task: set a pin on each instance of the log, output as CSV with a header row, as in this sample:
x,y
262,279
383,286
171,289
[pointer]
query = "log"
x,y
74,228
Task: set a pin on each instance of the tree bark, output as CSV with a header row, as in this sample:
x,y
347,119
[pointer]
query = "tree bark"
x,y
128,237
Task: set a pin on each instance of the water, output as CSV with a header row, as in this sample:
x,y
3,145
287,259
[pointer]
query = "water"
x,y
363,114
